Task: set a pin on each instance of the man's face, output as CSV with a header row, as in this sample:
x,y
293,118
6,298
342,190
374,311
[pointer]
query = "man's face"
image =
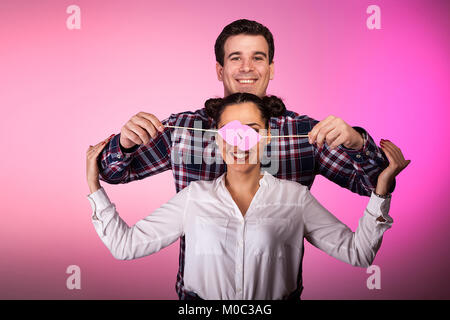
x,y
246,65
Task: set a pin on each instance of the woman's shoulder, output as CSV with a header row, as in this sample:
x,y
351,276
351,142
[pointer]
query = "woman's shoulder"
x,y
202,183
287,191
288,184
205,187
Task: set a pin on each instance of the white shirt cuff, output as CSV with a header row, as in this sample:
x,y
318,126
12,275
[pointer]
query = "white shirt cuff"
x,y
380,207
99,201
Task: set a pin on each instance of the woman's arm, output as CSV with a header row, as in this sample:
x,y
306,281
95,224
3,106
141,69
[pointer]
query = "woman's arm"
x,y
326,232
149,235
358,248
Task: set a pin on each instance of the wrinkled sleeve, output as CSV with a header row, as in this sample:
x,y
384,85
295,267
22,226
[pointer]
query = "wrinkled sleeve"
x,y
119,165
356,170
323,230
149,235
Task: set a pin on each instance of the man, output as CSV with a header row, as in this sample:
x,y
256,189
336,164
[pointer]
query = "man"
x,y
244,54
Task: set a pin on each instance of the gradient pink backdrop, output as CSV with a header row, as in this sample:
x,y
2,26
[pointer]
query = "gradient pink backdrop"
x,y
62,90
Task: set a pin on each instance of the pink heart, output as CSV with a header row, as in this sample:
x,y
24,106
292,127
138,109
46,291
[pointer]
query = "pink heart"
x,y
237,134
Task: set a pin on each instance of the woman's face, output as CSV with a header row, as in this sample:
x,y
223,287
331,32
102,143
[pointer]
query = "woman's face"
x,y
248,114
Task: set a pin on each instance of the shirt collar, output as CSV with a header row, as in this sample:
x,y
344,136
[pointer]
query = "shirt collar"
x,y
265,181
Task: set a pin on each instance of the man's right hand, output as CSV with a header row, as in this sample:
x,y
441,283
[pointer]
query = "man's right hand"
x,y
140,129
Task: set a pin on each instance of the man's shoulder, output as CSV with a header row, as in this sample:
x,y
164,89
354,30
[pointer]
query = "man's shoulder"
x,y
295,116
199,114
291,119
187,118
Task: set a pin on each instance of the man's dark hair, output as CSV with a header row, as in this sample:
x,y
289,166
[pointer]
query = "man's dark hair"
x,y
242,26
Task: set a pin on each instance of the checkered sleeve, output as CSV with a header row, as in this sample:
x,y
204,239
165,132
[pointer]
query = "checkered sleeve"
x,y
119,165
356,170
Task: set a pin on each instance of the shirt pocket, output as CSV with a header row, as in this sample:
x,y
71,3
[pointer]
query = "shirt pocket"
x,y
211,235
270,237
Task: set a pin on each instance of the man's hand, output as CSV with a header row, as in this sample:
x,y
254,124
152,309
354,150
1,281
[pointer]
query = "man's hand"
x,y
335,132
140,129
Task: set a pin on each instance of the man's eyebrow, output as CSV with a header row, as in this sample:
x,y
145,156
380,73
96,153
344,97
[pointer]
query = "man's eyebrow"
x,y
233,53
262,53
255,53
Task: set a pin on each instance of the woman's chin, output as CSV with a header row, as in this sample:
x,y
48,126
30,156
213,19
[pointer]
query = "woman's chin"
x,y
242,165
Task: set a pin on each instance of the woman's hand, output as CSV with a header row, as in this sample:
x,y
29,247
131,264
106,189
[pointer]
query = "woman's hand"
x,y
396,164
92,170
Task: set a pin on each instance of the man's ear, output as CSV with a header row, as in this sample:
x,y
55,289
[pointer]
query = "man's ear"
x,y
219,70
272,70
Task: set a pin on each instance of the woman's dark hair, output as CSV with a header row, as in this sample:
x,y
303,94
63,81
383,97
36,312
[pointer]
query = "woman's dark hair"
x,y
269,106
243,26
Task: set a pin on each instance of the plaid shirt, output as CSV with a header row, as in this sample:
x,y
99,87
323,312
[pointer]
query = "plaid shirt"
x,y
192,156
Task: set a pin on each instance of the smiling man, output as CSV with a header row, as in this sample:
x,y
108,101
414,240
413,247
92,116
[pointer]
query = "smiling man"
x,y
245,64
244,52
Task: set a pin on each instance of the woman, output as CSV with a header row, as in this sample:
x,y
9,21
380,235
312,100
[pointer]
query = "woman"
x,y
244,231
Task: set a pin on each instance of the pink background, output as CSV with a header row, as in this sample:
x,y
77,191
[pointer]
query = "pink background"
x,y
62,90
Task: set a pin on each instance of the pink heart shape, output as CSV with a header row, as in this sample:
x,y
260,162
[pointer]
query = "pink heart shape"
x,y
237,134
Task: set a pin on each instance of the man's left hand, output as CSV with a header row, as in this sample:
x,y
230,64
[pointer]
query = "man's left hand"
x,y
335,131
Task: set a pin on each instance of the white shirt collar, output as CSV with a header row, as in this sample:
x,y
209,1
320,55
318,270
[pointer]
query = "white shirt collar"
x,y
265,181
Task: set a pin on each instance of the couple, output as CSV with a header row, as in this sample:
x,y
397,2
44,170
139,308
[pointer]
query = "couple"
x,y
241,229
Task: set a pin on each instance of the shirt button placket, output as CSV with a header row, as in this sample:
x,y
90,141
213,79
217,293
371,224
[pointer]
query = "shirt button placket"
x,y
240,262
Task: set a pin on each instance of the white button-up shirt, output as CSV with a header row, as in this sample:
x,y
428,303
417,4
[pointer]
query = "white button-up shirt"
x,y
231,256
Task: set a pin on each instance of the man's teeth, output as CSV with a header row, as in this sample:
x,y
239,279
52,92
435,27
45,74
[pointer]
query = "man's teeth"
x,y
246,81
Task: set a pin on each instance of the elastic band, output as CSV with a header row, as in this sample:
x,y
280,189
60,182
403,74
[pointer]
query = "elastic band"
x,y
212,130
